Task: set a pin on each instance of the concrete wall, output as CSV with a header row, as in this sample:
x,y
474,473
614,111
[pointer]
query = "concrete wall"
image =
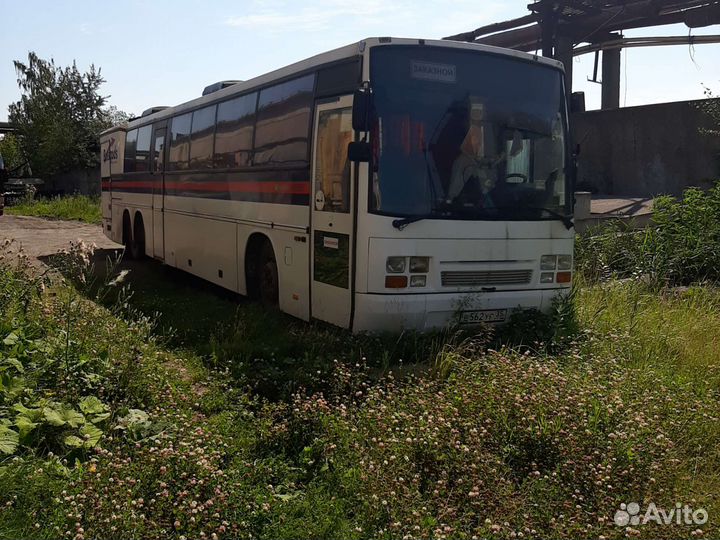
x,y
83,181
647,150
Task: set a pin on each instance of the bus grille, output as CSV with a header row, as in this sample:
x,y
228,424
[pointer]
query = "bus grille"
x,y
480,278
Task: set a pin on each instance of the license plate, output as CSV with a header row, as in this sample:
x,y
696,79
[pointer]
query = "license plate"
x,y
484,316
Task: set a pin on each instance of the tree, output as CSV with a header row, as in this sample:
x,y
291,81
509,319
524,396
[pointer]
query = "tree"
x,y
60,115
711,107
10,152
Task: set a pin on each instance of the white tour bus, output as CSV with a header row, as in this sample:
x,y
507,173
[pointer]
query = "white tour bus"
x,y
388,184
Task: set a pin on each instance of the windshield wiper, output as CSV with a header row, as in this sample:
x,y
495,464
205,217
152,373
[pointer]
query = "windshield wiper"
x,y
567,220
400,224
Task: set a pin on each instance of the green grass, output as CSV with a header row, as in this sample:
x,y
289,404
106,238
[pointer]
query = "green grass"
x,y
73,207
243,423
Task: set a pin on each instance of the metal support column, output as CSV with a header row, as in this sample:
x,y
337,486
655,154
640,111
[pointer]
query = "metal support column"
x,y
610,79
564,53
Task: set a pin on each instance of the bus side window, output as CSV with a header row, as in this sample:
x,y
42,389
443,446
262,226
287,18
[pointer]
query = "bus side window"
x,y
332,167
143,149
234,132
201,138
283,123
130,146
179,153
158,154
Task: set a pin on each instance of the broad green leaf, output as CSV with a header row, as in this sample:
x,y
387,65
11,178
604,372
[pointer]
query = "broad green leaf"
x,y
73,441
14,362
83,359
91,434
11,339
53,417
136,420
92,405
25,425
31,414
96,419
12,386
72,417
9,440
61,414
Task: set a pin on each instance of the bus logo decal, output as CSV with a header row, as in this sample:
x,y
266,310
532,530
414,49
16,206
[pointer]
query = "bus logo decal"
x,y
111,154
432,72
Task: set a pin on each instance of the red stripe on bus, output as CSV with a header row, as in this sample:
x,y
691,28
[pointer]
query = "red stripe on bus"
x,y
293,188
129,184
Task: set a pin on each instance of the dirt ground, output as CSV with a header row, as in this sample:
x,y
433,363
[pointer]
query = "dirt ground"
x,y
42,237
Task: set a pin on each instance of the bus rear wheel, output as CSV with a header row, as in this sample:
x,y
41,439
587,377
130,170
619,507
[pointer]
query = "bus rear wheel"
x,y
267,274
137,244
127,234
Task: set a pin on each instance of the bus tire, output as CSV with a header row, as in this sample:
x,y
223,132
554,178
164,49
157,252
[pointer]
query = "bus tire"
x,y
126,233
267,276
137,245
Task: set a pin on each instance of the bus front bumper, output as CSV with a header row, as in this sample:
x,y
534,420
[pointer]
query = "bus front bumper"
x,y
395,312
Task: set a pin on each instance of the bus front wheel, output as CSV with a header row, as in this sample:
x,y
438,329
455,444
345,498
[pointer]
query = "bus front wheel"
x,y
267,274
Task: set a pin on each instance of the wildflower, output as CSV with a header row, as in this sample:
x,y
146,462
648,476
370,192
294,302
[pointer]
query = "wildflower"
x,y
120,278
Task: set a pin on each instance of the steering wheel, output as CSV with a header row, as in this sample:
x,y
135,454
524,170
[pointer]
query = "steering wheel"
x,y
517,175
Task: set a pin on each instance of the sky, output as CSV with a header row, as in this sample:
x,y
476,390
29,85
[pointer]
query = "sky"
x,y
164,52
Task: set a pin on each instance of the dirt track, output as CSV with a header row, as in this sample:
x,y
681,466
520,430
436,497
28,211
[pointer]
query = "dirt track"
x,y
42,237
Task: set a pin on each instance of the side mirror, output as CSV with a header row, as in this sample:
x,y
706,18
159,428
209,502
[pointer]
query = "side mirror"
x,y
362,107
359,151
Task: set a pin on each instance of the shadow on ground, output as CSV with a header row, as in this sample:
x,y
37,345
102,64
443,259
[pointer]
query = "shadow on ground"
x,y
187,310
273,352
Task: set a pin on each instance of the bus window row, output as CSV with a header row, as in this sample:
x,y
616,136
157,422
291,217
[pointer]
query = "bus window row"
x,y
264,128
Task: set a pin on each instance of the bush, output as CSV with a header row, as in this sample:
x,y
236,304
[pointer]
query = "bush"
x,y
680,248
73,207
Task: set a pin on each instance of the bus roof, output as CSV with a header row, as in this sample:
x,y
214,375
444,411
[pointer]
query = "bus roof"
x,y
348,51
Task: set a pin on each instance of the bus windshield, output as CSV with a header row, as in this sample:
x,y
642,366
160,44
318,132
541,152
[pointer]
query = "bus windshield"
x,y
463,134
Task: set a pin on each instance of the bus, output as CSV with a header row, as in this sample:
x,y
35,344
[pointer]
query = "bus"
x,y
385,185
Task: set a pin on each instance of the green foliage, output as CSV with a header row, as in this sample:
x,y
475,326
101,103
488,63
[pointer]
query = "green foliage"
x,y
531,328
59,116
71,207
711,107
104,433
9,440
10,152
682,247
52,376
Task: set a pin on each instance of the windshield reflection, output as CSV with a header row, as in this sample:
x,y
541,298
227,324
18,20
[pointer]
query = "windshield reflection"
x,y
488,144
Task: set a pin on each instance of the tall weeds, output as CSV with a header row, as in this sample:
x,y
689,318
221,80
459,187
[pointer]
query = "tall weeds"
x,y
681,247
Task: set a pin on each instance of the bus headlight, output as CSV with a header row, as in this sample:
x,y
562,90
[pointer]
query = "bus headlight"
x,y
418,281
547,277
548,262
419,265
395,265
564,262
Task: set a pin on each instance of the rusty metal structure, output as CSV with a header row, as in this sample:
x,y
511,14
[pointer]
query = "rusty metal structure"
x,y
557,28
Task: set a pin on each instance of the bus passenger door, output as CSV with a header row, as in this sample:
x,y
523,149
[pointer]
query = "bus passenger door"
x,y
157,170
332,208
